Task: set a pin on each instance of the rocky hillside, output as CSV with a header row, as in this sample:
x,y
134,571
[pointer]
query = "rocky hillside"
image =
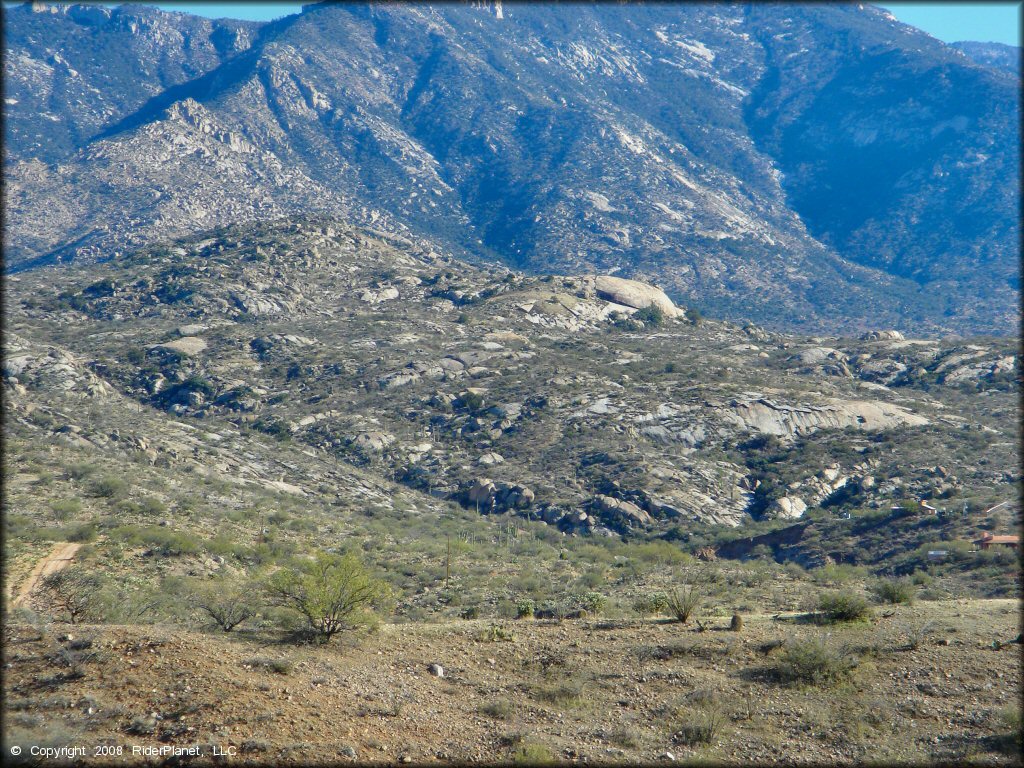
x,y
997,55
811,166
593,404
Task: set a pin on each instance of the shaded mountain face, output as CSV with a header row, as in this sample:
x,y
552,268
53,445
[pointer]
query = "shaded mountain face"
x,y
813,166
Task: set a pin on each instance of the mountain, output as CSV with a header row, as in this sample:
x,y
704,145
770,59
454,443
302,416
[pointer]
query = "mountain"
x,y
809,166
72,70
997,55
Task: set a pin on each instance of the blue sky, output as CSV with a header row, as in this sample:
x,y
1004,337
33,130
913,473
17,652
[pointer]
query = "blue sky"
x,y
987,22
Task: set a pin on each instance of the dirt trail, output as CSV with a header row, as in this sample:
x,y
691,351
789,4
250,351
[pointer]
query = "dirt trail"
x,y
58,559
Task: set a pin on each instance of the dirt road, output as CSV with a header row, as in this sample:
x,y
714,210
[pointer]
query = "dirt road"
x,y
59,558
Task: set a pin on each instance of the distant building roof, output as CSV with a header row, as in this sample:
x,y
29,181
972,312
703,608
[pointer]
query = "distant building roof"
x,y
989,538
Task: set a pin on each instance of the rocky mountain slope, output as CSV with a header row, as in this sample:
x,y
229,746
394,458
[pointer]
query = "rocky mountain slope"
x,y
816,166
997,55
589,403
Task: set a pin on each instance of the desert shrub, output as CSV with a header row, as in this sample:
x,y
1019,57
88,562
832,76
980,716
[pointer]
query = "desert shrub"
x,y
565,694
277,666
472,401
80,470
593,603
332,593
226,603
525,609
82,533
502,709
74,591
693,316
836,607
1011,741
895,591
917,635
497,634
683,603
702,728
532,753
64,509
109,487
651,604
814,662
651,315
162,541
152,506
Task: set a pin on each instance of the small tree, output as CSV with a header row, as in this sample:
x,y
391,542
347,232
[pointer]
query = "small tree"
x,y
74,591
227,604
332,592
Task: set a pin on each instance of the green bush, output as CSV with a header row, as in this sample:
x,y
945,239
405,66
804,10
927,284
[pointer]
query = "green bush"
x,y
80,470
593,603
532,753
814,662
152,506
895,591
64,509
525,609
653,604
331,592
110,487
651,315
836,607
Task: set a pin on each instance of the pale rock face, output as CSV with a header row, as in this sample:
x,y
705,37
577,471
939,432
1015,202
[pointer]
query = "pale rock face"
x,y
818,355
373,441
787,508
376,297
763,415
482,491
186,345
633,293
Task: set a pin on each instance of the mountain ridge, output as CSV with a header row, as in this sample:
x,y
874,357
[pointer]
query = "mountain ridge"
x,y
357,110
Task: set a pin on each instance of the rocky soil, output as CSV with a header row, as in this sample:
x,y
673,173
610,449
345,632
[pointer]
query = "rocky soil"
x,y
579,691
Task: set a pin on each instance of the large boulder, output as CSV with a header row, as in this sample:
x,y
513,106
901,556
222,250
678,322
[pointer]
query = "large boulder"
x,y
620,513
786,508
882,336
633,293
